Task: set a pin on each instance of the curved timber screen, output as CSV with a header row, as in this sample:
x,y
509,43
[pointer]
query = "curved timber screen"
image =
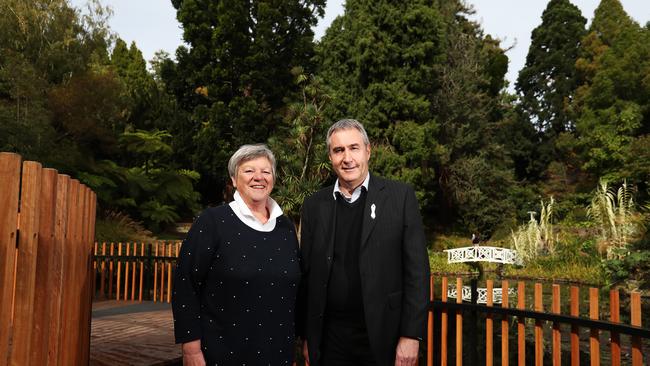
x,y
47,226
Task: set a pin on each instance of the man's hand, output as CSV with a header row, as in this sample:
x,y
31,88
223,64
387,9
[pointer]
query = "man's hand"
x,y
192,355
305,351
407,352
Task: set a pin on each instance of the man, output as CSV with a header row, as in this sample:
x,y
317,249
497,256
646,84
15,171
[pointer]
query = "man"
x,y
365,287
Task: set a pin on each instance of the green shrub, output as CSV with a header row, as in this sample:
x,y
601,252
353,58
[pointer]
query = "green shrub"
x,y
115,226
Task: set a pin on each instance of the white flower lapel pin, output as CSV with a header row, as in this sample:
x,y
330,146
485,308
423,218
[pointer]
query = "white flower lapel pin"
x,y
372,211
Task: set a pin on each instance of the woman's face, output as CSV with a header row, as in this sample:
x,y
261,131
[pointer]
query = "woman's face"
x,y
254,180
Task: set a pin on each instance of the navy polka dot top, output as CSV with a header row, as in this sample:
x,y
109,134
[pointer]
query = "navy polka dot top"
x,y
235,290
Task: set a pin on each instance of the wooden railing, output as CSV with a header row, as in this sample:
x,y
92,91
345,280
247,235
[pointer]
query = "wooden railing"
x,y
47,222
135,271
547,323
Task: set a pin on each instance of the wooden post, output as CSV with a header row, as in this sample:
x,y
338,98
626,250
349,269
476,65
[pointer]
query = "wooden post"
x,y
155,271
25,285
102,279
575,336
45,268
141,271
557,335
521,327
110,272
614,310
10,182
539,334
69,308
119,271
126,271
489,357
505,351
429,320
60,250
133,270
594,341
635,319
169,274
443,324
459,323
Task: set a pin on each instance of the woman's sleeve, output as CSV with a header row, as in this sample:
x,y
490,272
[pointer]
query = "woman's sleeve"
x,y
191,269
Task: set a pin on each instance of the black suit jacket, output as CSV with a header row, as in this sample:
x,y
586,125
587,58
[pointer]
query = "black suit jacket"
x,y
393,264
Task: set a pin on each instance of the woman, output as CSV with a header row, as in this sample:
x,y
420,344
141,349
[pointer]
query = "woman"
x,y
237,275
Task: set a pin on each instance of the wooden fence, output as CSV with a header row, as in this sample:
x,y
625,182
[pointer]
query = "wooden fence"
x,y
586,336
135,271
47,222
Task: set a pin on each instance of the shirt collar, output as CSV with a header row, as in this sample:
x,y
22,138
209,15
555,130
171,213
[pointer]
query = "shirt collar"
x,y
357,191
274,209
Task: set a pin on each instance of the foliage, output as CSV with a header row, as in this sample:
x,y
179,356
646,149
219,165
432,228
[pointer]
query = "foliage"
x,y
547,82
613,99
425,82
536,238
614,214
300,148
114,226
438,264
233,79
151,189
548,79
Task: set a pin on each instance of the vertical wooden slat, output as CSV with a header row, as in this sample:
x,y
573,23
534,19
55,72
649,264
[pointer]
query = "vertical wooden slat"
x,y
44,269
126,270
489,357
10,183
169,274
575,336
141,270
162,273
444,323
80,273
557,335
110,271
521,327
155,271
56,291
89,275
119,271
594,341
102,275
635,319
70,295
84,268
429,322
133,270
505,350
30,199
539,335
459,323
614,311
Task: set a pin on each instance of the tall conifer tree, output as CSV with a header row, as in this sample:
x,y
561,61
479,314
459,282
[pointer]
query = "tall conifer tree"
x,y
236,71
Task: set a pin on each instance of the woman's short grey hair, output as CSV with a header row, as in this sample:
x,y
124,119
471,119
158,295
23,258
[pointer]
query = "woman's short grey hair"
x,y
346,124
250,152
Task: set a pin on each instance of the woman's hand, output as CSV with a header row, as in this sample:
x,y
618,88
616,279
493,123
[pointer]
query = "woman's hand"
x,y
192,355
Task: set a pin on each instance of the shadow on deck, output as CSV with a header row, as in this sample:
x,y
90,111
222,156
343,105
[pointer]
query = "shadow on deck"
x,y
133,333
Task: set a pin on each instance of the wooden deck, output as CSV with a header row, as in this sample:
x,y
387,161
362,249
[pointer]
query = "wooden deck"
x,y
132,333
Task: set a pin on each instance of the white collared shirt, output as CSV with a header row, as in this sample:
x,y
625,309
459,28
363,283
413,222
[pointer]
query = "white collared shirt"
x,y
357,191
246,216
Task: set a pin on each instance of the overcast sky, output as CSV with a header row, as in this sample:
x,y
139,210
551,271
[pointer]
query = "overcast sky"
x,y
153,26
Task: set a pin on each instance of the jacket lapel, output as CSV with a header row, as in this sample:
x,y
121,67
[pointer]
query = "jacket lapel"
x,y
373,208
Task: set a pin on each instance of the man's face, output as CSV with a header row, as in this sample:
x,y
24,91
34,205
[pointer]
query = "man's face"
x,y
349,156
